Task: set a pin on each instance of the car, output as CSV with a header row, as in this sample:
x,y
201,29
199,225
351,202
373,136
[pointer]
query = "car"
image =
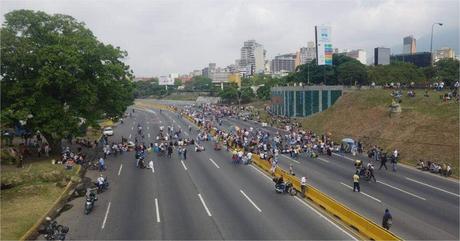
x,y
108,131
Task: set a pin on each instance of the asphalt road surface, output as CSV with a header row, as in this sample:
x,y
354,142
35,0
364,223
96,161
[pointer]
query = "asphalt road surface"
x,y
203,197
424,206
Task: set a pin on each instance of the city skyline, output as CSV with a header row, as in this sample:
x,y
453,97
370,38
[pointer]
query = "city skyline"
x,y
163,37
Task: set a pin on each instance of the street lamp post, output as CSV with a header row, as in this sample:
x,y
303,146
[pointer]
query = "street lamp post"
x,y
431,44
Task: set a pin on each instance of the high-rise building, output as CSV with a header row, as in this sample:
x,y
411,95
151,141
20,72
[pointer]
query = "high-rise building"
x,y
409,45
359,55
252,57
444,53
382,56
285,62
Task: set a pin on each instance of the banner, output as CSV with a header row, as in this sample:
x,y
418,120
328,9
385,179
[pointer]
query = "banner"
x,y
165,80
323,45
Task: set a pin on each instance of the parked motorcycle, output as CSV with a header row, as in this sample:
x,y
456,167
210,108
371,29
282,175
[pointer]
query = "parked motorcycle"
x,y
285,187
53,231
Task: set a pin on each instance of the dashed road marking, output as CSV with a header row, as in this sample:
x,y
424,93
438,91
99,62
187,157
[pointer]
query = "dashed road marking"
x,y
437,188
204,205
215,164
106,215
322,159
183,164
250,200
157,208
406,192
119,170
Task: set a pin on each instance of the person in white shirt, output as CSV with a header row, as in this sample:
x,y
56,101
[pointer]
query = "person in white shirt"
x,y
303,185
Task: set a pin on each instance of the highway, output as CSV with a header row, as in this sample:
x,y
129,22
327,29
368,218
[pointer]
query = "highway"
x,y
203,197
424,206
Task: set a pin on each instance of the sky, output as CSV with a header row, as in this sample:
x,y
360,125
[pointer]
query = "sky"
x,y
173,36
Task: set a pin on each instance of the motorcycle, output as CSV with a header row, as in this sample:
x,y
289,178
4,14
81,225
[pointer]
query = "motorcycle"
x,y
103,187
53,231
285,188
89,203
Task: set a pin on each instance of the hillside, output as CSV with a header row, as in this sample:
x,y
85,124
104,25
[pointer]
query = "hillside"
x,y
427,128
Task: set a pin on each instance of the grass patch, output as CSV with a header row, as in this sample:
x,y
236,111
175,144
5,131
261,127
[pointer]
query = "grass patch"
x,y
34,189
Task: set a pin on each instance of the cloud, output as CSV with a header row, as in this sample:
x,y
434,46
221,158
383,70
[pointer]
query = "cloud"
x,y
164,37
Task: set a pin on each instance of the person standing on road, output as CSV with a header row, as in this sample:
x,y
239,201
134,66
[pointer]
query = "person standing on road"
x,y
394,159
170,151
184,152
383,161
303,185
101,164
356,182
387,220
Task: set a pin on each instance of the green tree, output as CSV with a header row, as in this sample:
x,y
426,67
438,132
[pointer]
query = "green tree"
x,y
199,83
264,92
246,94
447,70
229,94
55,73
352,72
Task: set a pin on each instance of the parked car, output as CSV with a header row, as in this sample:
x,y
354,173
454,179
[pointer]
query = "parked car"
x,y
108,131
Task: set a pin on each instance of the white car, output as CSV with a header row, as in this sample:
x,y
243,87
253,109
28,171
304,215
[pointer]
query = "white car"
x,y
108,131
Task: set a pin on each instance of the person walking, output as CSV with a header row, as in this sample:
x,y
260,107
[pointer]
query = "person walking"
x,y
303,185
383,161
356,182
387,220
170,151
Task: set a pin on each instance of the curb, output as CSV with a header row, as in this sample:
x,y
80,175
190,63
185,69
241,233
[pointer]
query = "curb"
x,y
32,233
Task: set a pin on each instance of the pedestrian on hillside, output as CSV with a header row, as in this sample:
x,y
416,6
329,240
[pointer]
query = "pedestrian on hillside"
x,y
356,182
387,220
383,161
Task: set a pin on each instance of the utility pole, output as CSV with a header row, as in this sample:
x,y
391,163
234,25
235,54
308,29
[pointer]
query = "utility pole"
x,y
431,44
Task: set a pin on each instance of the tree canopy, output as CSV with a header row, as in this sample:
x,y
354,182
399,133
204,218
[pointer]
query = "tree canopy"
x,y
56,74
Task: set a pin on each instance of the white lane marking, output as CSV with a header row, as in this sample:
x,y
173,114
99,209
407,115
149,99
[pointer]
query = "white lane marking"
x,y
249,199
186,133
263,174
343,156
204,205
406,192
322,159
327,219
157,208
215,164
291,159
106,215
367,195
148,135
437,188
119,170
183,164
129,136
148,128
132,127
153,169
